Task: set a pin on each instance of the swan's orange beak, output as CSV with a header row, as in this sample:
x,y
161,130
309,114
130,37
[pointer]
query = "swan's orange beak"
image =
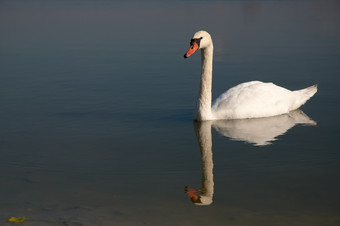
x,y
191,50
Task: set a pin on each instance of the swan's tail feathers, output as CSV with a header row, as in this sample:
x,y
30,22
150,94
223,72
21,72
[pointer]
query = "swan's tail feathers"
x,y
303,95
309,91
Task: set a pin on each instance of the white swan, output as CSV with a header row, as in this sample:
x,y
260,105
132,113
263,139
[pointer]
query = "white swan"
x,y
253,99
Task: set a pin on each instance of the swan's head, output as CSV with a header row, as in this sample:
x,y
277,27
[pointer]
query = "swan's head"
x,y
200,40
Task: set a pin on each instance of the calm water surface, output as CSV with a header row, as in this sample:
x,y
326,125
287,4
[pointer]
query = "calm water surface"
x,y
96,114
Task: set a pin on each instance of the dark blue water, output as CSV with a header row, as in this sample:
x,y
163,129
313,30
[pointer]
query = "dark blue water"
x,y
96,113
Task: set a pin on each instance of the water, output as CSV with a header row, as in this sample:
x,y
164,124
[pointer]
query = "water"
x,y
96,113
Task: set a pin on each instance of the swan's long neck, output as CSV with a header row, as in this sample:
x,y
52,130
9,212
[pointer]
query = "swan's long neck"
x,y
203,108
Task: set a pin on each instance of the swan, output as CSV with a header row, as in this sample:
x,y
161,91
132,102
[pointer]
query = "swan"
x,y
253,99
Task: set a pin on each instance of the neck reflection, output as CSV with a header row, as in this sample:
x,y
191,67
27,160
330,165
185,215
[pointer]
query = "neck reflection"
x,y
204,138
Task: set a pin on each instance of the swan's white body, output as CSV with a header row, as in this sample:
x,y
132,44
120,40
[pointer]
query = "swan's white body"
x,y
253,99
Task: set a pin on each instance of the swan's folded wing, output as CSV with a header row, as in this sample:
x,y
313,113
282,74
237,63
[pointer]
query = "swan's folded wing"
x,y
253,100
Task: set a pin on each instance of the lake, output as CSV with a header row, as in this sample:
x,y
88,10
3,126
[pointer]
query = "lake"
x,y
96,114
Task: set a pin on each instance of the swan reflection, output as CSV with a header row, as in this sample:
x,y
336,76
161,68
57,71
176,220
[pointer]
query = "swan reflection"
x,y
259,131
204,138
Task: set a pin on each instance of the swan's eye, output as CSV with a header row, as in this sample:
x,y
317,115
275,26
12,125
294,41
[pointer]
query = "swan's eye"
x,y
196,40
